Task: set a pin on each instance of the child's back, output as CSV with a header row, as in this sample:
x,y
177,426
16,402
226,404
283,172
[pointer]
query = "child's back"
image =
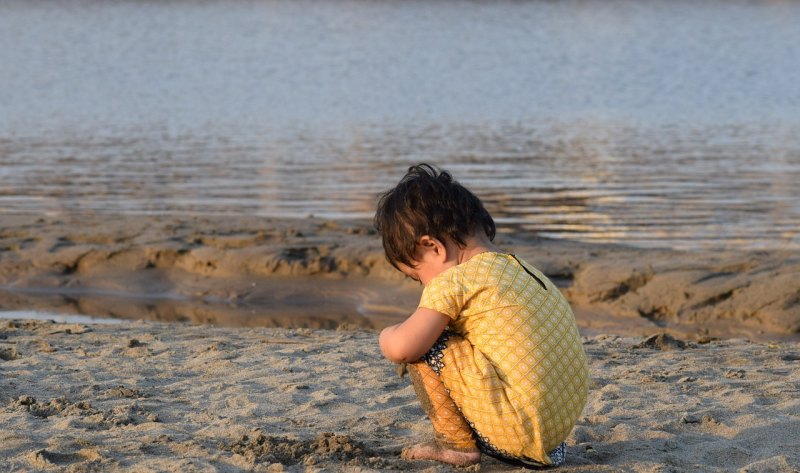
x,y
493,349
515,365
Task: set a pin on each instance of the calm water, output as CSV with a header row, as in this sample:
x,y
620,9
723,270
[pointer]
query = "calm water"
x,y
60,318
650,123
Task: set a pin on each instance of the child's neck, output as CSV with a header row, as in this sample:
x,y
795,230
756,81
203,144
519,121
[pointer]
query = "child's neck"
x,y
475,245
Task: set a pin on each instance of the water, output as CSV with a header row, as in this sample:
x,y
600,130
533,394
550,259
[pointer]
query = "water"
x,y
647,123
59,318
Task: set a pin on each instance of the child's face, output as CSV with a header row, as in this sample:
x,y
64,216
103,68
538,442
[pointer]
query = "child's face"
x,y
422,273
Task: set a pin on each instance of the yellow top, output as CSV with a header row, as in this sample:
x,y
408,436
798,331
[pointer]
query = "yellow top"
x,y
514,364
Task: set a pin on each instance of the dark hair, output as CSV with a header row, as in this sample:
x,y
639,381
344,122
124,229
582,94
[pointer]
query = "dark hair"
x,y
427,201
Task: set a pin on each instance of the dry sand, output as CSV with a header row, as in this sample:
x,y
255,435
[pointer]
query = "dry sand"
x,y
156,396
176,397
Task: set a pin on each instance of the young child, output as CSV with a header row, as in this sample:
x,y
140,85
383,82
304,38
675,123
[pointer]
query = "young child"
x,y
492,350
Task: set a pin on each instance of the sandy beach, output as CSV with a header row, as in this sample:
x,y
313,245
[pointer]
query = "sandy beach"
x,y
251,345
177,397
190,280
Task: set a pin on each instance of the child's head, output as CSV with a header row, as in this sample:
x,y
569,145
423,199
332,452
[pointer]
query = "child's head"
x,y
427,201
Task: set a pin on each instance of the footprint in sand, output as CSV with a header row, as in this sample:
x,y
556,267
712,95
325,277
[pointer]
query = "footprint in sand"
x,y
45,459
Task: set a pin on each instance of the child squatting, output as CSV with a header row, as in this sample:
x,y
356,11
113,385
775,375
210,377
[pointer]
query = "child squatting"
x,y
492,350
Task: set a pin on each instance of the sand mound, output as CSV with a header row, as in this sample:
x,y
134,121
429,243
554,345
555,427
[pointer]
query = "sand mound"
x,y
278,273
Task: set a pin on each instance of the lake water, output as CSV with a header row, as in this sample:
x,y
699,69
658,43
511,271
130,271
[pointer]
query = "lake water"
x,y
671,123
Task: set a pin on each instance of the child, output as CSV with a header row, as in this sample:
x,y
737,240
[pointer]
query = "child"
x,y
492,350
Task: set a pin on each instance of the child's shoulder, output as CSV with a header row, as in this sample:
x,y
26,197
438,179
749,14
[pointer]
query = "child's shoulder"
x,y
492,268
475,267
489,260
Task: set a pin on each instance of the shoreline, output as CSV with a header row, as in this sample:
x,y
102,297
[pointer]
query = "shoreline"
x,y
146,396
279,273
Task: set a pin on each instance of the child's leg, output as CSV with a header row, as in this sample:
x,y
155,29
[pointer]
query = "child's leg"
x,y
455,442
452,430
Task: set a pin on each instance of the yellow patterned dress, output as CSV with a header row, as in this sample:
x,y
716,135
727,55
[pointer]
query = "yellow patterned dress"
x,y
511,358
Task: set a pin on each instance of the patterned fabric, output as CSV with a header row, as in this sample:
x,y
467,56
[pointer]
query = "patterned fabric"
x,y
449,428
513,361
452,430
434,356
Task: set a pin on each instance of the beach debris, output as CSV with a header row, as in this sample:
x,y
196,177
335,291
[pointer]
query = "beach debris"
x,y
663,342
133,343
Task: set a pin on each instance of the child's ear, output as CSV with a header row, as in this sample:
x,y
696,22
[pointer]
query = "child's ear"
x,y
426,241
433,245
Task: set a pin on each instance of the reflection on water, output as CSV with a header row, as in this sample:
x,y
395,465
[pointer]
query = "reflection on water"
x,y
649,189
288,303
651,123
60,318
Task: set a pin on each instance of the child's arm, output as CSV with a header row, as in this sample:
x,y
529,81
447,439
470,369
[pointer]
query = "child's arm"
x,y
408,341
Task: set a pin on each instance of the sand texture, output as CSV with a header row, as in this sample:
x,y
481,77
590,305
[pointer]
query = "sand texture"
x,y
176,397
245,272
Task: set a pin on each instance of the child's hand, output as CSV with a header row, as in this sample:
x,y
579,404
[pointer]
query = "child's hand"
x,y
408,341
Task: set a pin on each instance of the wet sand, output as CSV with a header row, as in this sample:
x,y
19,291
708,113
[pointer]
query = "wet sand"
x,y
323,274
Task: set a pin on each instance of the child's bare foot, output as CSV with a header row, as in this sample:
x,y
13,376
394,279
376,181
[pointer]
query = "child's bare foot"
x,y
431,451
